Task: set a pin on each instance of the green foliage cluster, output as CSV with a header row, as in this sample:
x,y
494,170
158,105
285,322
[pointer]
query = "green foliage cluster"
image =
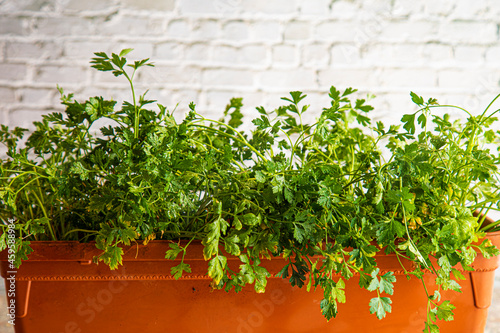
x,y
340,188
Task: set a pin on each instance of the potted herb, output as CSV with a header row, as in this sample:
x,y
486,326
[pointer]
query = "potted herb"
x,y
333,207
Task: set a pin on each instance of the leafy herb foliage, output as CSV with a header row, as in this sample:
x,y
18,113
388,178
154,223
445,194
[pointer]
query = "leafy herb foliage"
x,y
286,188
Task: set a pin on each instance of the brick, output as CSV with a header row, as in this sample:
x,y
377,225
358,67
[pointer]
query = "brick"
x,y
371,26
62,26
228,6
4,119
409,31
254,55
56,74
275,7
263,31
84,50
465,9
376,7
178,29
404,8
13,72
439,8
235,30
2,51
390,54
25,117
150,5
172,75
368,31
408,77
296,30
284,54
437,52
464,78
315,55
13,26
468,32
226,54
210,7
124,25
197,51
315,7
493,9
480,95
345,53
33,50
37,96
7,95
470,54
492,53
87,5
200,6
344,8
227,77
27,5
243,56
349,77
337,31
173,51
299,79
206,29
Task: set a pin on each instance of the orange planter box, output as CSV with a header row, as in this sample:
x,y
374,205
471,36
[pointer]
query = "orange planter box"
x,y
60,290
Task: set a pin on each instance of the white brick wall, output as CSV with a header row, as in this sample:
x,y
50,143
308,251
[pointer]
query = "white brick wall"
x,y
207,51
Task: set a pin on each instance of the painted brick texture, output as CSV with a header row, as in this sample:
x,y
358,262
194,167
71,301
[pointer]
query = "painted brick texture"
x,y
209,50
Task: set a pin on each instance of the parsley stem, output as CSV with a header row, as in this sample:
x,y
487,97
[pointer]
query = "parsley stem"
x,y
136,111
80,230
51,230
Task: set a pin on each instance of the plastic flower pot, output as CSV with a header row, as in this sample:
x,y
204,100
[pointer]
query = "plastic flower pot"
x,y
60,290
